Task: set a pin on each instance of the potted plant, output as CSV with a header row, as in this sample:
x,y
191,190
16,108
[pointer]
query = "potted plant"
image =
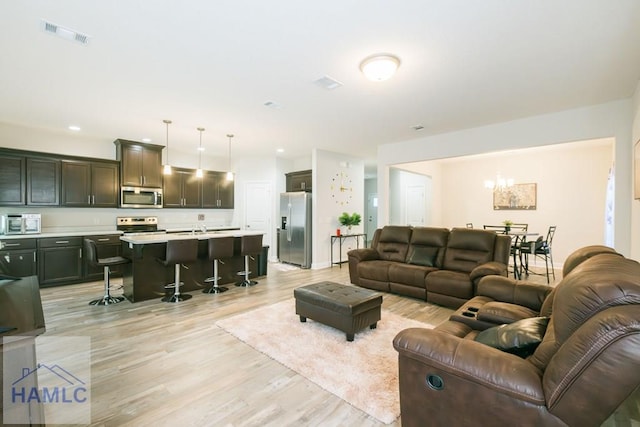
x,y
507,225
349,220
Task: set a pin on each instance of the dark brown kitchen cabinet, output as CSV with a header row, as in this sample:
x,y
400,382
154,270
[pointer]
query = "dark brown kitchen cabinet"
x,y
12,180
43,182
92,184
108,245
182,189
59,260
298,181
18,257
141,164
217,191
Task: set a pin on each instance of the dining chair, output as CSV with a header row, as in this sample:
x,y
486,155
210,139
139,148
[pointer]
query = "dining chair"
x,y
469,225
541,248
496,228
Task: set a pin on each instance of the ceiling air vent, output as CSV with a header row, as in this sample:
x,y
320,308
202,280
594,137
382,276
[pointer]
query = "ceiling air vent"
x,y
328,83
65,33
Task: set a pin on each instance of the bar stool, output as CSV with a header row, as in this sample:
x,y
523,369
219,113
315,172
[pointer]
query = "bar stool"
x,y
249,245
219,248
91,252
179,252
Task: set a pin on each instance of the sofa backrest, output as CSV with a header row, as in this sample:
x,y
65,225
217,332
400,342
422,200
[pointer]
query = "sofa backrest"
x,y
393,242
427,246
589,354
467,248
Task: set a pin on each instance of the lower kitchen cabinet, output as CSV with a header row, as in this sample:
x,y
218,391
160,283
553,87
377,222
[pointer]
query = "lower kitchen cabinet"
x,y
108,246
18,257
59,260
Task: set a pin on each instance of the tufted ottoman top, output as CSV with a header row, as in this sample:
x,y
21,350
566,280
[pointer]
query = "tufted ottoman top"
x,y
343,299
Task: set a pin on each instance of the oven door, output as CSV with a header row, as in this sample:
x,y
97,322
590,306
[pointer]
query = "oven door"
x,y
137,197
13,224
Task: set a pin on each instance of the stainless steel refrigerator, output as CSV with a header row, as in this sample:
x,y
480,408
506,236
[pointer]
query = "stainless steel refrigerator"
x,y
295,228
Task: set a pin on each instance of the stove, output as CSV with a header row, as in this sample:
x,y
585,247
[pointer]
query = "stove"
x,y
136,225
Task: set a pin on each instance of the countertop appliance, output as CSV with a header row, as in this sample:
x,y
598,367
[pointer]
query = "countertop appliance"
x,y
140,197
26,223
132,225
295,228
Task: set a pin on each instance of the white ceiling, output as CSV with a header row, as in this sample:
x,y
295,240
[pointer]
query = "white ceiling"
x,y
214,64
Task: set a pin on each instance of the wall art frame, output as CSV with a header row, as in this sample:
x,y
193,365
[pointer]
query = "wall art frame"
x,y
516,197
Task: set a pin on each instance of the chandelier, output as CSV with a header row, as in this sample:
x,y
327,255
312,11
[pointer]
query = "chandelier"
x,y
499,184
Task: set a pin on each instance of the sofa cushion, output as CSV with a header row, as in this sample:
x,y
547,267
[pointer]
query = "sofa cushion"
x,y
468,248
422,255
394,243
520,338
427,246
375,270
407,274
452,283
503,312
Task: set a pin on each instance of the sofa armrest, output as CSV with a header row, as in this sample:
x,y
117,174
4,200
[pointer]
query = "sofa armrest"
x,y
480,367
487,269
356,256
364,254
507,289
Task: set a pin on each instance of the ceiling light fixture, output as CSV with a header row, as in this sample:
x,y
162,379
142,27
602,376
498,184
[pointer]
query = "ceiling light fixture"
x,y
199,170
229,173
74,128
167,167
500,184
379,67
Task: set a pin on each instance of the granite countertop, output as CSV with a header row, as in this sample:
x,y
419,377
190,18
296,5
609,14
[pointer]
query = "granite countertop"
x,y
143,239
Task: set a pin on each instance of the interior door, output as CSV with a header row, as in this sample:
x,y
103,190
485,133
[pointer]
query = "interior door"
x,y
415,205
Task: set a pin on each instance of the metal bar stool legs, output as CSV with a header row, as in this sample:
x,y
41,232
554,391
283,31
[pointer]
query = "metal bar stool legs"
x,y
249,245
219,247
91,252
179,252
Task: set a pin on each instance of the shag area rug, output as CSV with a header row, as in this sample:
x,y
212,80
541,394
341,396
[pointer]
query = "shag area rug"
x,y
363,372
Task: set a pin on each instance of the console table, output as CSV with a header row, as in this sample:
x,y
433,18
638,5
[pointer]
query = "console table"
x,y
341,240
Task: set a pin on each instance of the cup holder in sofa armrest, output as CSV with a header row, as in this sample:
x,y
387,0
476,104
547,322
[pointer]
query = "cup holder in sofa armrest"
x,y
469,314
473,309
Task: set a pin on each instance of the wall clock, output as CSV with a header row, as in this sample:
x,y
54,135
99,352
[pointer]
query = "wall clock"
x,y
341,188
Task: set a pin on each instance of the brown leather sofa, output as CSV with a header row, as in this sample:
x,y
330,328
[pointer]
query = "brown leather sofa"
x,y
438,265
586,365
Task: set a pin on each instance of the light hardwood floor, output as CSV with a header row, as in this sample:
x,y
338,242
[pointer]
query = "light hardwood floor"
x,y
163,364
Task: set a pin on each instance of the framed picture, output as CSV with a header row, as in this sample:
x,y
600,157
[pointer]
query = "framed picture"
x,y
636,171
515,197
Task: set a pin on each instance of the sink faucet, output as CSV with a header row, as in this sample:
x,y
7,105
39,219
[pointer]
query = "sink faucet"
x,y
203,228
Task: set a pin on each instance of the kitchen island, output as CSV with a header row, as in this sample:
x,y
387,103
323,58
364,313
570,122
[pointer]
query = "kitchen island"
x,y
145,278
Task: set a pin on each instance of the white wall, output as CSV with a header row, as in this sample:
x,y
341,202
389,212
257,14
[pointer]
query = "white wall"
x,y
327,166
613,120
571,191
635,220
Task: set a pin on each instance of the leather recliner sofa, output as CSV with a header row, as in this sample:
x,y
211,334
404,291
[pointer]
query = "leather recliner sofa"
x,y
438,265
586,365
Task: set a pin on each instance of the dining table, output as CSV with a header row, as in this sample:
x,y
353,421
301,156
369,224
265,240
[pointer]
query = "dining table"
x,y
518,239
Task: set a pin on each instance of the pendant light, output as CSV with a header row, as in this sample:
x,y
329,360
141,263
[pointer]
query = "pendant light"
x,y
200,150
167,167
229,173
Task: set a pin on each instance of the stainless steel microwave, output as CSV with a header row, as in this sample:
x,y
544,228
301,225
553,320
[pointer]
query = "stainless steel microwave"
x,y
21,223
140,197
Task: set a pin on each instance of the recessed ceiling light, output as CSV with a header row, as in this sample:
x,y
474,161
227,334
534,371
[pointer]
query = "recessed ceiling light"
x,y
146,139
280,150
379,67
74,128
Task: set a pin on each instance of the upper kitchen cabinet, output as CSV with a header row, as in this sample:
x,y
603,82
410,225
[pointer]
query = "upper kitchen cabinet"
x,y
182,189
12,180
217,191
43,181
89,183
298,181
141,164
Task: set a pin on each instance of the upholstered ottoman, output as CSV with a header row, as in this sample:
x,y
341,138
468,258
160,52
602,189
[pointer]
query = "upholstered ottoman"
x,y
347,308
